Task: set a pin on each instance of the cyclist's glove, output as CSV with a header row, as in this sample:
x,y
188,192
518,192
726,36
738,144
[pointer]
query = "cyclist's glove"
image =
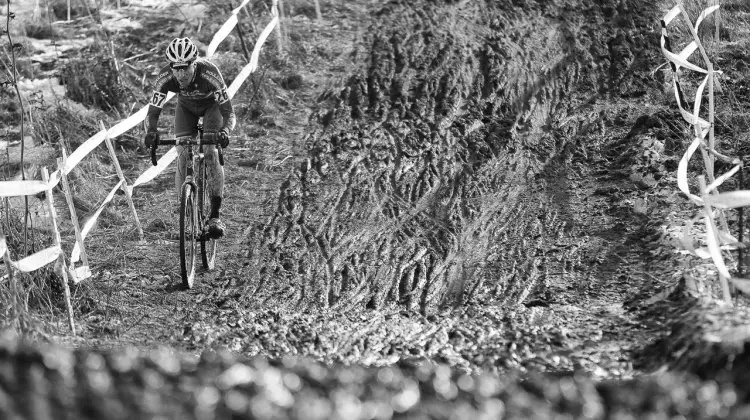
x,y
223,138
151,140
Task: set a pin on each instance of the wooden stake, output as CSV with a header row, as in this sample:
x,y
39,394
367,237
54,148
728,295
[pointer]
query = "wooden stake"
x,y
318,14
12,281
712,143
36,14
11,278
710,158
71,207
741,223
710,73
61,258
276,11
238,27
250,19
717,22
723,281
711,137
124,185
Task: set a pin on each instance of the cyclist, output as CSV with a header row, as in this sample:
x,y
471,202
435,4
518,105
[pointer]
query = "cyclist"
x,y
201,91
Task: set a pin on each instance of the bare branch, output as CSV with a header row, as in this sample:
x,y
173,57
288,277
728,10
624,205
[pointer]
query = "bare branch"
x,y
14,82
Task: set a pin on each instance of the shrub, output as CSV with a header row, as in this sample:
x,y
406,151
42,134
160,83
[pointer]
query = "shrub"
x,y
92,79
40,30
40,289
62,121
230,64
60,9
9,108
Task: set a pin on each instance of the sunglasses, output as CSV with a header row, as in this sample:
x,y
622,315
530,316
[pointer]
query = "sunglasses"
x,y
180,66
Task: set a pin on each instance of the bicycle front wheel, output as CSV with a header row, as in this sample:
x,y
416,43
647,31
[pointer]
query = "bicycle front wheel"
x,y
208,245
188,234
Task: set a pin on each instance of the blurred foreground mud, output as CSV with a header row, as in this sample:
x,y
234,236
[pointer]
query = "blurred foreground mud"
x,y
54,383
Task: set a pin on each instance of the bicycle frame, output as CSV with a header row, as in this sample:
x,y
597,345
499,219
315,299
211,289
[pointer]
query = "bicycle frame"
x,y
193,160
193,204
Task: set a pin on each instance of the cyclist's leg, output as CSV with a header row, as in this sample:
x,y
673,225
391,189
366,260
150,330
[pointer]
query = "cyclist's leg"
x,y
212,122
185,121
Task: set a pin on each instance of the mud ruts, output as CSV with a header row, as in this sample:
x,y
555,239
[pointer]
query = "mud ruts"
x,y
425,182
46,382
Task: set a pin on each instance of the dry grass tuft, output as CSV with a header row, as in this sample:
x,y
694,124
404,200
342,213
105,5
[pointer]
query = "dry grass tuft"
x,y
40,30
59,9
37,294
64,124
92,79
230,64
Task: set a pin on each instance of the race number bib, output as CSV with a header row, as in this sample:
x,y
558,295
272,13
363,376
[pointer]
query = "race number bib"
x,y
221,96
158,99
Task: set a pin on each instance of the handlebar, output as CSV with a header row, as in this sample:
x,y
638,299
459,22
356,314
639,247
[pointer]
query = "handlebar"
x,y
208,139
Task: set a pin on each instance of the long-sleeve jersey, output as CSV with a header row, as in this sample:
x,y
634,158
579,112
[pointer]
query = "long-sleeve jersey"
x,y
206,88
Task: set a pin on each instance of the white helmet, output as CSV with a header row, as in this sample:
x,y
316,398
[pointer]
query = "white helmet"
x,y
181,50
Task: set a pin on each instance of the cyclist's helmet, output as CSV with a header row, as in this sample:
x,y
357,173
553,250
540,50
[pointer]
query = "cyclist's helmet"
x,y
182,50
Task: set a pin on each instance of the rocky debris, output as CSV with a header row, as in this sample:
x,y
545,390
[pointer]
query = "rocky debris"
x,y
473,339
48,382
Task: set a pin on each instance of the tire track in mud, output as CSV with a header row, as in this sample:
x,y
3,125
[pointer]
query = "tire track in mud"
x,y
424,179
474,161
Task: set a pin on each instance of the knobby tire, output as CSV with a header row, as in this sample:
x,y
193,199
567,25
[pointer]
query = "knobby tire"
x,y
188,233
208,245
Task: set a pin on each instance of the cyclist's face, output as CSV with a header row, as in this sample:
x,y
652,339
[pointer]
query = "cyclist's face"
x,y
184,75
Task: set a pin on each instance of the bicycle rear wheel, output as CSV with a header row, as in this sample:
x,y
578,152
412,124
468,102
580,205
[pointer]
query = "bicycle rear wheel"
x,y
208,245
188,234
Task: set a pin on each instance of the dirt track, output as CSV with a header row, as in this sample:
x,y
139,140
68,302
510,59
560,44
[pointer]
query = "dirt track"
x,y
484,161
475,193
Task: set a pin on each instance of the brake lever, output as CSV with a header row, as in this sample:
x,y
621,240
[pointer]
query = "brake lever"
x,y
215,142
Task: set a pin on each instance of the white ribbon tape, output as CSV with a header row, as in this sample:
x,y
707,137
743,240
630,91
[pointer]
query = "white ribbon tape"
x,y
38,260
153,171
76,254
253,64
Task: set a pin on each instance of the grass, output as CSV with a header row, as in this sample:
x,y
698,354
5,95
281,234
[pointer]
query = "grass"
x,y
36,294
40,30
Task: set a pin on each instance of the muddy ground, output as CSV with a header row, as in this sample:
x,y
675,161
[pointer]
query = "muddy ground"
x,y
435,210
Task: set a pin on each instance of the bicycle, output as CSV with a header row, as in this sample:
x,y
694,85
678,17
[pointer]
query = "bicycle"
x,y
195,204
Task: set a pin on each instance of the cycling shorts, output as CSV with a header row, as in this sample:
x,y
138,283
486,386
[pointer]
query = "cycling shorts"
x,y
186,116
